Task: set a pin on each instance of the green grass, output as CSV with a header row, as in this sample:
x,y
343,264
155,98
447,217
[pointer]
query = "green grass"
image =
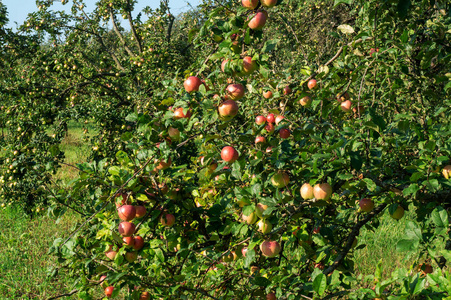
x,y
24,243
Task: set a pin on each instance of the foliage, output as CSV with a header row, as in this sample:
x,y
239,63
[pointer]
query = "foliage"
x,y
390,59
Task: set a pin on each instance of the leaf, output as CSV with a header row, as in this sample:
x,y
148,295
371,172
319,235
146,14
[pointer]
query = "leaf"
x,y
261,281
403,7
346,29
370,184
348,2
269,46
159,254
440,217
250,257
407,245
356,160
412,189
320,283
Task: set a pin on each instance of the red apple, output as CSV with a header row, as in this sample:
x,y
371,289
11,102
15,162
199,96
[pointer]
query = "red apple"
x,y
249,4
287,90
269,128
192,84
109,291
131,256
249,65
223,64
144,296
179,114
270,248
138,243
267,94
128,240
372,50
312,84
167,220
366,204
228,110
322,191
126,212
305,101
280,179
260,139
258,21
268,3
162,165
110,253
284,133
270,118
279,119
260,120
235,91
307,191
126,228
140,211
346,106
229,154
271,296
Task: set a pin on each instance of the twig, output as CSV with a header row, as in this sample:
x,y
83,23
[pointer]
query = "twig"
x,y
64,295
119,34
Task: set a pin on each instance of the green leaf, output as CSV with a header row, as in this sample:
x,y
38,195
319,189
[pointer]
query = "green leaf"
x,y
440,217
407,245
269,46
320,284
348,2
412,189
370,184
159,254
250,257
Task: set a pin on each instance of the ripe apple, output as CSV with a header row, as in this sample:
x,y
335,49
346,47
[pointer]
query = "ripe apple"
x,y
358,109
269,3
110,253
260,139
109,291
138,243
312,84
140,211
264,226
346,106
307,191
249,4
271,296
267,94
398,213
343,97
270,248
284,133
258,21
162,165
126,212
322,191
372,50
179,114
174,133
287,90
446,171
235,91
305,101
279,119
259,120
366,204
223,64
270,118
167,220
126,229
280,179
192,84
228,110
144,296
131,256
251,219
128,241
260,209
249,65
269,128
229,154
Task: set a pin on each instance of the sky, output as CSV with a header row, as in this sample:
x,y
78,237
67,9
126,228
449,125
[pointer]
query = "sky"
x,y
19,9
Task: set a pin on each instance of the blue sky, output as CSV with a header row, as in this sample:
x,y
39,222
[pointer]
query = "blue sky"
x,y
19,9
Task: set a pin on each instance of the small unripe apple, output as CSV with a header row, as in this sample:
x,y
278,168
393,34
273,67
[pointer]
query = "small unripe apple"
x,y
446,171
305,101
131,256
174,133
398,213
307,191
260,209
366,204
251,219
268,3
322,191
249,65
280,179
264,226
312,84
